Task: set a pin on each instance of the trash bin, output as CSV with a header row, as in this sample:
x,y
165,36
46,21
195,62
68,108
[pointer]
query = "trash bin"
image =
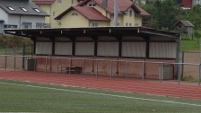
x,y
166,72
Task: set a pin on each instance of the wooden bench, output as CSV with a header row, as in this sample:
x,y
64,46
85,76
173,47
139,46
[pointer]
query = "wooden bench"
x,y
72,70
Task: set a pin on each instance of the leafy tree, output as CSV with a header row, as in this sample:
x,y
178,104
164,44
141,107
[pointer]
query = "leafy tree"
x,y
163,13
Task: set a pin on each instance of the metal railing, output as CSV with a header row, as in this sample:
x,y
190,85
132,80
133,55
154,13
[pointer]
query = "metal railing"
x,y
111,67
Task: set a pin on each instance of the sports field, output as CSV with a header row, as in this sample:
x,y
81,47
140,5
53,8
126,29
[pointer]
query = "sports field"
x,y
32,97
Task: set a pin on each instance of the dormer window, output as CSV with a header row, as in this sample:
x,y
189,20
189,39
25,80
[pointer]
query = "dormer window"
x,y
10,8
59,1
131,12
24,9
72,2
92,4
37,10
74,14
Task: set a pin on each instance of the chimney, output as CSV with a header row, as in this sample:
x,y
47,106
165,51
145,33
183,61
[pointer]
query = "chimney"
x,y
104,3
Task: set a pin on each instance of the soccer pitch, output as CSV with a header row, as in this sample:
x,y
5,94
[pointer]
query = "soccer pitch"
x,y
31,97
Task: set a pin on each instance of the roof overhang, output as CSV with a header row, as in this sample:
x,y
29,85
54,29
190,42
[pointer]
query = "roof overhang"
x,y
92,32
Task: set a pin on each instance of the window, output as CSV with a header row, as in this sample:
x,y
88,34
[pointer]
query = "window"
x,y
53,14
94,24
72,2
74,14
39,25
26,25
126,24
126,13
59,1
24,9
7,26
131,12
10,8
130,24
136,25
37,10
92,4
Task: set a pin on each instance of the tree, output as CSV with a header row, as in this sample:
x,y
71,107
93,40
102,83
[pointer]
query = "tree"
x,y
163,13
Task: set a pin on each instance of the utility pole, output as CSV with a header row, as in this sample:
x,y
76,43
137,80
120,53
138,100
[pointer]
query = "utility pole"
x,y
116,12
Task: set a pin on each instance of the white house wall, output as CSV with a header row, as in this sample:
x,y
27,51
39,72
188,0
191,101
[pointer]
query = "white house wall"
x,y
44,48
4,15
162,50
63,48
84,48
134,49
33,20
108,49
15,20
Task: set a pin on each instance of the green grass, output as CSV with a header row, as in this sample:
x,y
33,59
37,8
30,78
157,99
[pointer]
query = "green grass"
x,y
190,79
190,45
31,97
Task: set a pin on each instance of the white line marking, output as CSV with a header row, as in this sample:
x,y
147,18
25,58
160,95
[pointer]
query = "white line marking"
x,y
105,94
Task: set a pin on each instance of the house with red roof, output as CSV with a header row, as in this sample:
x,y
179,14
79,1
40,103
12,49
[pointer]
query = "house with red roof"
x,y
186,3
54,8
94,13
91,13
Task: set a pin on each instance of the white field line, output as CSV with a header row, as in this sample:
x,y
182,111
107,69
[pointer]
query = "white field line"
x,y
105,94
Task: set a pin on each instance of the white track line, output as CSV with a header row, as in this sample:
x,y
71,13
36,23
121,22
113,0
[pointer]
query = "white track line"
x,y
105,94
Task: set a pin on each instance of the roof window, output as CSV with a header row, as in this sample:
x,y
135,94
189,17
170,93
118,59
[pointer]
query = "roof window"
x,y
24,9
37,10
74,14
10,8
92,4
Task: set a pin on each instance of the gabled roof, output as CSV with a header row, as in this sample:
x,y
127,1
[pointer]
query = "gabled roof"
x,y
140,11
88,12
124,5
17,6
186,23
47,2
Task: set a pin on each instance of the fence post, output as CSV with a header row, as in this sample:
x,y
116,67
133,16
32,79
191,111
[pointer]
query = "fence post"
x,y
46,64
96,67
182,67
5,63
70,64
58,63
126,69
199,78
179,73
143,71
23,56
111,63
35,65
14,62
161,72
83,66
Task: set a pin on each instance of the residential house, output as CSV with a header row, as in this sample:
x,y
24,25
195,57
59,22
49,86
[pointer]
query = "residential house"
x,y
186,3
190,3
93,13
143,2
54,8
20,14
196,2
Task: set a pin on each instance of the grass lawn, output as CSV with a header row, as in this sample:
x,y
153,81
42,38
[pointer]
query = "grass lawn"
x,y
31,97
190,45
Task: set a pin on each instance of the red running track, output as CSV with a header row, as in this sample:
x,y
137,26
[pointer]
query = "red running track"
x,y
172,89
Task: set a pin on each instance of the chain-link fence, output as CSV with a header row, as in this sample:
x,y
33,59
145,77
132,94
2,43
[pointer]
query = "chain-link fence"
x,y
95,66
